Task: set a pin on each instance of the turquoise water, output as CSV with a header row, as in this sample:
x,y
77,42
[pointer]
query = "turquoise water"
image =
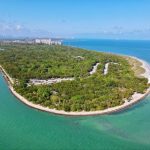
x,y
23,128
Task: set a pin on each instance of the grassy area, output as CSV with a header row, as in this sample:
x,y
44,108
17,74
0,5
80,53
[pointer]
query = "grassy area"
x,y
87,92
136,66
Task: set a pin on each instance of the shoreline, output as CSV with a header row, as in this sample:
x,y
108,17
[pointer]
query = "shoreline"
x,y
135,98
146,66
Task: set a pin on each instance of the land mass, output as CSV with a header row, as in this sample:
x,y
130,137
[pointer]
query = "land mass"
x,y
72,81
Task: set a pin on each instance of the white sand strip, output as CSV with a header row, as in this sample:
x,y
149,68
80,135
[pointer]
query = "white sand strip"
x,y
106,69
49,81
9,78
94,69
136,97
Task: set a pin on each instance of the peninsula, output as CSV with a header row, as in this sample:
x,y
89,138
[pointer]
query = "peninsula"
x,y
72,81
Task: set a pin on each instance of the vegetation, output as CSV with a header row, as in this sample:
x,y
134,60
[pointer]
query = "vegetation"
x,y
89,93
135,66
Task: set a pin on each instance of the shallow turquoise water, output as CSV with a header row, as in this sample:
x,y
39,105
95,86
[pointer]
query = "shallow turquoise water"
x,y
23,128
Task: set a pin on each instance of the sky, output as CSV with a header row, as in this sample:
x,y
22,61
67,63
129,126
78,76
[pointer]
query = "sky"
x,y
110,19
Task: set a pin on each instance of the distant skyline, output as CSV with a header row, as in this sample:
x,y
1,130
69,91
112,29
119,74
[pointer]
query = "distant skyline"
x,y
107,19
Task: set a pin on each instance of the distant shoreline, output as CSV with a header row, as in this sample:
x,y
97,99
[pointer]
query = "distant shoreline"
x,y
135,98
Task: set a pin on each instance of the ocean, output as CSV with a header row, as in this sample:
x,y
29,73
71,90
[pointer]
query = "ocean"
x,y
24,128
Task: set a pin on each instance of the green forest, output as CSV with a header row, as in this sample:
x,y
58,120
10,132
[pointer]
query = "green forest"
x,y
87,92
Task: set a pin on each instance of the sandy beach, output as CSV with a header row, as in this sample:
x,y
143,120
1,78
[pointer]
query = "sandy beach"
x,y
135,98
146,66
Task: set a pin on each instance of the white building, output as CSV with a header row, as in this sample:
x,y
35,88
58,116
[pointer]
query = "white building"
x,y
48,41
43,41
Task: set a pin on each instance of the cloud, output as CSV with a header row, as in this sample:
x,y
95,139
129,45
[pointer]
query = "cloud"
x,y
13,29
18,27
118,32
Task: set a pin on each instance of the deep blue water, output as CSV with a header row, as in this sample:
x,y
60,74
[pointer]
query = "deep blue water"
x,y
139,49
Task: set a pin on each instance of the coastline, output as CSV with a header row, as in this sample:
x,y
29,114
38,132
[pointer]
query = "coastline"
x,y
146,66
135,98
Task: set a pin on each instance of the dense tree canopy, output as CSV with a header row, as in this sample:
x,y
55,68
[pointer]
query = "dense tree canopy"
x,y
89,93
